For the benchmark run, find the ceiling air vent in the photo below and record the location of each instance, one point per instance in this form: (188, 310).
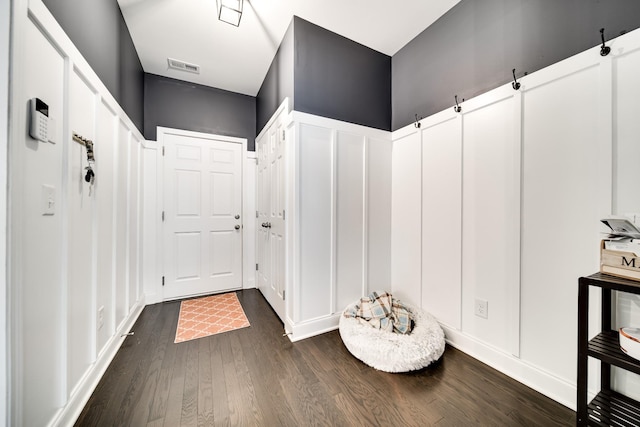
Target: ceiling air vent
(183, 66)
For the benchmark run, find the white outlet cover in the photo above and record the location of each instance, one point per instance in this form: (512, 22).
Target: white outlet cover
(481, 308)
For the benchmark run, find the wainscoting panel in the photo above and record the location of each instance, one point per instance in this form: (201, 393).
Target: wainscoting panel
(351, 220)
(559, 204)
(442, 217)
(626, 154)
(80, 205)
(334, 210)
(541, 165)
(105, 191)
(70, 268)
(491, 218)
(406, 207)
(316, 221)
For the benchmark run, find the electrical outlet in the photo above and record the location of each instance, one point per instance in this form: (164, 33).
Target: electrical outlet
(100, 317)
(482, 308)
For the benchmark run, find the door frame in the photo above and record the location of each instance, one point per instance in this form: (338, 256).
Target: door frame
(246, 188)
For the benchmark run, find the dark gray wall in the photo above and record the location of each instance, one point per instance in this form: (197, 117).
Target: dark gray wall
(182, 105)
(338, 78)
(278, 83)
(98, 30)
(474, 47)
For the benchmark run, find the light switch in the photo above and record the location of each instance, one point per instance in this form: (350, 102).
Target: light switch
(48, 200)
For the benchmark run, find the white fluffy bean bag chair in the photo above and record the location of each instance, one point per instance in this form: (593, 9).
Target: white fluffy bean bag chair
(393, 352)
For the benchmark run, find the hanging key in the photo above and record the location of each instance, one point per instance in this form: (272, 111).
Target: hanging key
(90, 175)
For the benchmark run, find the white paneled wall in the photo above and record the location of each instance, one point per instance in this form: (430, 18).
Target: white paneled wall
(378, 235)
(104, 215)
(75, 273)
(316, 213)
(351, 221)
(512, 190)
(37, 272)
(626, 176)
(441, 217)
(80, 242)
(5, 14)
(560, 198)
(406, 207)
(338, 218)
(491, 217)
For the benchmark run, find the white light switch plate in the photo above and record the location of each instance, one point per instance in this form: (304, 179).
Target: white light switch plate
(48, 200)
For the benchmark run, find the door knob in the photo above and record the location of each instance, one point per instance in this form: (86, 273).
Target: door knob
(237, 227)
(237, 216)
(268, 225)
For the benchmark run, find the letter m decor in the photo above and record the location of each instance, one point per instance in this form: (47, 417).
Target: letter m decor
(631, 263)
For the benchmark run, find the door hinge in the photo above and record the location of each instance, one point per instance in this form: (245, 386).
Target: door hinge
(283, 135)
(162, 280)
(284, 215)
(256, 267)
(162, 216)
(283, 297)
(257, 214)
(163, 150)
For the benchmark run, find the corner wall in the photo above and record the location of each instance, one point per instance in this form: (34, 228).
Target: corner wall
(100, 33)
(340, 79)
(327, 75)
(278, 83)
(502, 202)
(188, 106)
(74, 252)
(474, 47)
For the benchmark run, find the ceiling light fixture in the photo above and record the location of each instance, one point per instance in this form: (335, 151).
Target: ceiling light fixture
(230, 11)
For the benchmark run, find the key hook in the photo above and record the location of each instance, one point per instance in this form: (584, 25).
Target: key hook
(604, 50)
(457, 108)
(417, 124)
(515, 85)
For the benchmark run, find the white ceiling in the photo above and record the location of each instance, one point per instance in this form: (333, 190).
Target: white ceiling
(237, 58)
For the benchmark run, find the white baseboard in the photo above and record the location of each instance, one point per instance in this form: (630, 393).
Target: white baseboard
(310, 328)
(68, 415)
(543, 382)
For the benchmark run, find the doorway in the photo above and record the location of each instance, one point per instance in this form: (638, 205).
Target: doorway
(202, 213)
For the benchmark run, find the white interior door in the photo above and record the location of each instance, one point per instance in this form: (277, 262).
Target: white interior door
(270, 244)
(202, 214)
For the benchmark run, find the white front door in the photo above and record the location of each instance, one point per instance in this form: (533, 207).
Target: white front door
(202, 214)
(270, 227)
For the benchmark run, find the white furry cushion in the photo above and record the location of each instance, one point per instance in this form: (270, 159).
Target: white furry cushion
(393, 352)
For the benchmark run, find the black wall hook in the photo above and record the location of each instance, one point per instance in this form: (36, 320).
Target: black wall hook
(457, 108)
(515, 85)
(417, 124)
(604, 50)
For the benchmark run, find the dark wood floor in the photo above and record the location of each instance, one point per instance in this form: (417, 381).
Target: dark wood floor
(256, 377)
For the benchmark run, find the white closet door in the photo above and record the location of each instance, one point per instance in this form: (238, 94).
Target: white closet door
(270, 221)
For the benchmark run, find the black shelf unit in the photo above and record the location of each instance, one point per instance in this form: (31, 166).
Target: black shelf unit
(608, 407)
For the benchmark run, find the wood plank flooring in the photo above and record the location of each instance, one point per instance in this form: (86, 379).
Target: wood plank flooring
(256, 377)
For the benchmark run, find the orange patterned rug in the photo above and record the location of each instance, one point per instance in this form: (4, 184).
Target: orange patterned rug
(210, 315)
